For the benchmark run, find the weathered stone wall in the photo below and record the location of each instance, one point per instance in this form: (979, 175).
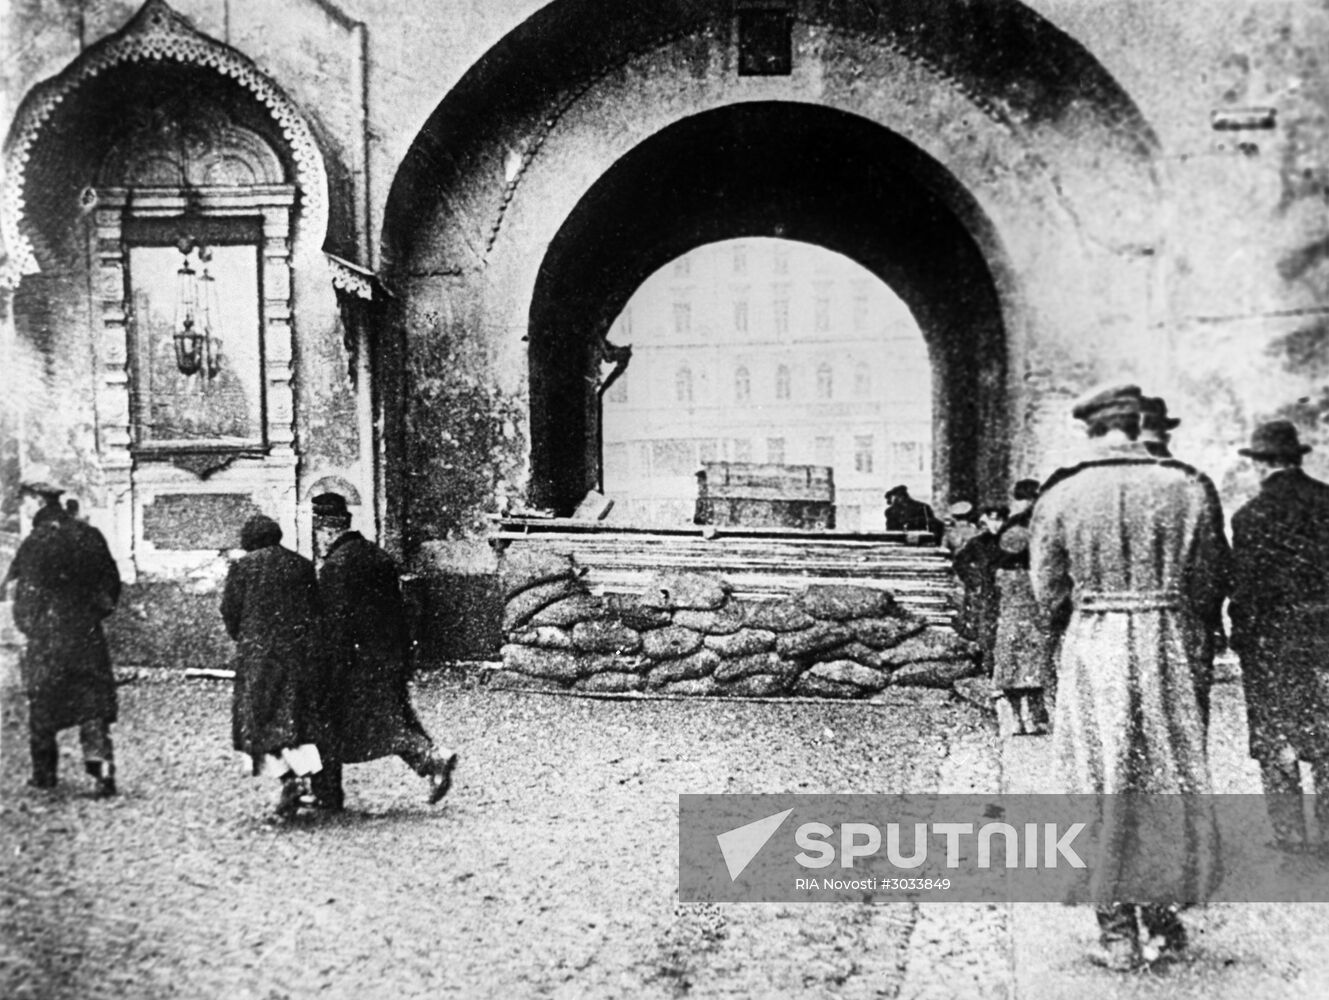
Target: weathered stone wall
(1195, 262)
(688, 634)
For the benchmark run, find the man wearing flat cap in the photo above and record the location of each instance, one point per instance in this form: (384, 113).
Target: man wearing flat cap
(1156, 426)
(368, 704)
(904, 513)
(1280, 627)
(66, 584)
(1128, 560)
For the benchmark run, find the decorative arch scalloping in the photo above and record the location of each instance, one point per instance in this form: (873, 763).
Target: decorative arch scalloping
(157, 33)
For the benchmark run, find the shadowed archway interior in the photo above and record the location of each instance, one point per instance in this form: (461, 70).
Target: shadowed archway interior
(786, 170)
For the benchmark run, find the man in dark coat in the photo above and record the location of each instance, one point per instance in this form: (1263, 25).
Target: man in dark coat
(270, 607)
(1128, 557)
(904, 513)
(1280, 627)
(368, 706)
(67, 583)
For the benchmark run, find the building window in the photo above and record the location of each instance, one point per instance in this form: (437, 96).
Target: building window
(863, 453)
(741, 316)
(683, 266)
(682, 319)
(742, 385)
(683, 385)
(781, 260)
(740, 259)
(822, 313)
(782, 382)
(825, 386)
(823, 451)
(860, 311)
(741, 450)
(775, 451)
(625, 324)
(780, 308)
(907, 457)
(862, 379)
(708, 450)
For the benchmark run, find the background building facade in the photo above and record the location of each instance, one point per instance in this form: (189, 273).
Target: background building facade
(760, 350)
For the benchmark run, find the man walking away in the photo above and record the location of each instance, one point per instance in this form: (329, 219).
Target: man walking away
(270, 607)
(1129, 551)
(368, 707)
(67, 583)
(1280, 627)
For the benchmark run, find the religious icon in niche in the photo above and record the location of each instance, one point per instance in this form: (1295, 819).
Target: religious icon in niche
(198, 346)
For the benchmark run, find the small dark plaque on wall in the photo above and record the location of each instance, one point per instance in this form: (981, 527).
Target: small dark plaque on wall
(764, 44)
(190, 521)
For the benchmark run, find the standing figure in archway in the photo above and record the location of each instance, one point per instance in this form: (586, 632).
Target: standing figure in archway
(1134, 549)
(367, 705)
(1021, 656)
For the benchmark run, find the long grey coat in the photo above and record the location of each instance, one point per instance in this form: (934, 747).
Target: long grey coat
(1280, 614)
(1134, 549)
(67, 583)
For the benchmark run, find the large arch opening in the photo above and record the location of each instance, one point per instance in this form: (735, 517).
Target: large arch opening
(785, 170)
(768, 353)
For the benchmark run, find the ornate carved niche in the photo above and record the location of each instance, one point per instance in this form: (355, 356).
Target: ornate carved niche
(186, 186)
(185, 141)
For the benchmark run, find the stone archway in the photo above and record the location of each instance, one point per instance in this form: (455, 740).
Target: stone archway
(788, 170)
(596, 141)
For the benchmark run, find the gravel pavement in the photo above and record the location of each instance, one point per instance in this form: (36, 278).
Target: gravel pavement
(550, 871)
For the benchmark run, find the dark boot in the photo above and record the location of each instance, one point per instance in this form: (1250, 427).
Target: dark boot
(326, 788)
(1119, 938)
(1167, 934)
(439, 772)
(45, 761)
(104, 772)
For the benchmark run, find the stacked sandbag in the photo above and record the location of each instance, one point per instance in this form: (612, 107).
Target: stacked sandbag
(687, 634)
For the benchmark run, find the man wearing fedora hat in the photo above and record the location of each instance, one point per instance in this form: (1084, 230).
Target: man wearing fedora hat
(1128, 562)
(1280, 627)
(1156, 426)
(66, 584)
(368, 705)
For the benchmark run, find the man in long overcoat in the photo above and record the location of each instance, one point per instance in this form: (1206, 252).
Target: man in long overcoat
(368, 706)
(66, 584)
(1129, 550)
(270, 607)
(904, 513)
(1280, 627)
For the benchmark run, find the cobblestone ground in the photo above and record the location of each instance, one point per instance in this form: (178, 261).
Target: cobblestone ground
(551, 870)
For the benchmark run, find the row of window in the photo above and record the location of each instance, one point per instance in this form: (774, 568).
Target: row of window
(823, 387)
(683, 456)
(821, 316)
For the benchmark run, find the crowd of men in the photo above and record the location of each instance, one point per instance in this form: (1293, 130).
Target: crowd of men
(1106, 582)
(322, 660)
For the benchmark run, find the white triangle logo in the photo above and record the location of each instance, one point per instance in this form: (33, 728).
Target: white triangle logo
(741, 844)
